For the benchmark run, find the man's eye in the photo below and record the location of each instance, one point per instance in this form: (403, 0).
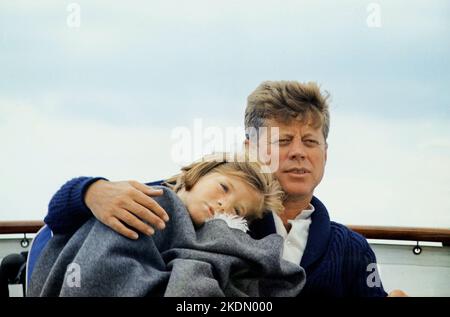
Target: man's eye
(282, 141)
(224, 187)
(311, 142)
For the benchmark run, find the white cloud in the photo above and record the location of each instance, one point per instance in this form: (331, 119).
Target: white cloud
(40, 153)
(388, 173)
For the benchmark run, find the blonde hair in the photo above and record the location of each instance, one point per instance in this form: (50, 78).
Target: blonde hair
(238, 166)
(285, 101)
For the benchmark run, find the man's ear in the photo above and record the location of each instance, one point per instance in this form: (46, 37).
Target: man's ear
(246, 145)
(326, 152)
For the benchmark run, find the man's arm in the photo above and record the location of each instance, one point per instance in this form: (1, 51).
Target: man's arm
(116, 204)
(363, 271)
(363, 274)
(67, 210)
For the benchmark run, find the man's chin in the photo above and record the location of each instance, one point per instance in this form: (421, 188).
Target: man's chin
(297, 193)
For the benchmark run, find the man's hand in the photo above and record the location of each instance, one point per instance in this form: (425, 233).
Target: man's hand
(129, 202)
(397, 293)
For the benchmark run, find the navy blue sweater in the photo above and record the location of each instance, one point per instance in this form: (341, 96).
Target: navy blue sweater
(337, 260)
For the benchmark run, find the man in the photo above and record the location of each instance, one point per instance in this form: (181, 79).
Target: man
(337, 261)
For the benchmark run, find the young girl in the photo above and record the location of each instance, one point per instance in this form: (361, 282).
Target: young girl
(195, 255)
(223, 184)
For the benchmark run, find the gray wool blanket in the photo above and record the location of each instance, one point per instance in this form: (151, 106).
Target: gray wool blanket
(213, 260)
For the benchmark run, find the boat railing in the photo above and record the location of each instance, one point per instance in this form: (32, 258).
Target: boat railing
(369, 232)
(23, 226)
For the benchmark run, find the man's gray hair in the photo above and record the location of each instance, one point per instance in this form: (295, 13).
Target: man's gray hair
(285, 101)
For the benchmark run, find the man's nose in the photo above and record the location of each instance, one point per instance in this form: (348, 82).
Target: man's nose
(297, 150)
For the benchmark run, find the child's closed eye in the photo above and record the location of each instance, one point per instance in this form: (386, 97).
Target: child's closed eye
(224, 187)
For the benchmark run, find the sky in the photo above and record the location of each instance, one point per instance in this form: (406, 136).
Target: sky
(104, 96)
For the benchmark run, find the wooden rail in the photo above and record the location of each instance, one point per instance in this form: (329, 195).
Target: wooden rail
(404, 233)
(370, 232)
(30, 226)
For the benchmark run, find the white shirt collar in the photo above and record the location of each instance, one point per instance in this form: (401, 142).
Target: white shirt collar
(306, 213)
(279, 226)
(295, 241)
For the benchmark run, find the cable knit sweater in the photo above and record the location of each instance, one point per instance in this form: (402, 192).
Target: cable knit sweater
(338, 262)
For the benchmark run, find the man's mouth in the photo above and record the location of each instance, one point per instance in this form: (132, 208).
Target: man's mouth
(297, 170)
